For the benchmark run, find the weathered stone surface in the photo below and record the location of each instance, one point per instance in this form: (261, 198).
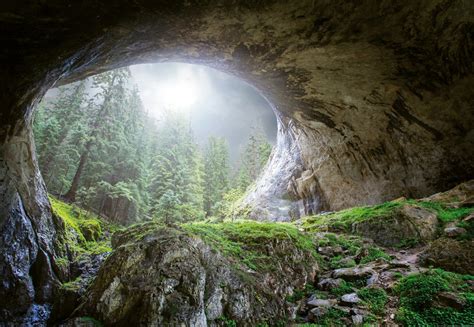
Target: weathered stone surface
(459, 196)
(164, 276)
(450, 254)
(454, 231)
(352, 274)
(328, 284)
(407, 223)
(350, 299)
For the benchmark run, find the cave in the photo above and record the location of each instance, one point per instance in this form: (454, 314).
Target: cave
(374, 100)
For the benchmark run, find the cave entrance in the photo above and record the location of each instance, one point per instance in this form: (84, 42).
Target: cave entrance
(170, 141)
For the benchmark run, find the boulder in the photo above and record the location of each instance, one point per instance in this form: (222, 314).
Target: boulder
(328, 284)
(159, 275)
(351, 274)
(408, 223)
(460, 196)
(449, 299)
(350, 299)
(454, 231)
(450, 254)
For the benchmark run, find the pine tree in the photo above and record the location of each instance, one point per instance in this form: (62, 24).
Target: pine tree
(216, 173)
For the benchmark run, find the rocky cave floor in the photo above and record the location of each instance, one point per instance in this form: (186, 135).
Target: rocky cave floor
(404, 262)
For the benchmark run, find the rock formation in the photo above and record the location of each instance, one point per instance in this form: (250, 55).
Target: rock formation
(374, 98)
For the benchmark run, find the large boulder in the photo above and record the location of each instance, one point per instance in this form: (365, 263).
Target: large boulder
(460, 196)
(405, 225)
(166, 276)
(450, 254)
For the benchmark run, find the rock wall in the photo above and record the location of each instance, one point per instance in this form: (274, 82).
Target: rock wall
(375, 96)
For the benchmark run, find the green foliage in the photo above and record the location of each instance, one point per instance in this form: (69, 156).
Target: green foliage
(331, 318)
(375, 298)
(417, 293)
(247, 240)
(73, 285)
(79, 222)
(340, 262)
(344, 219)
(444, 213)
(374, 254)
(344, 288)
(300, 294)
(227, 322)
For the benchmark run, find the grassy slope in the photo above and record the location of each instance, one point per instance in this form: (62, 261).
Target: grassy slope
(344, 219)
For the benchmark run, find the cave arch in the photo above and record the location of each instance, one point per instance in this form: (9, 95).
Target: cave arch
(375, 98)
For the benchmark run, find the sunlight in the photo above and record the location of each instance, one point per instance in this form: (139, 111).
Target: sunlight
(180, 95)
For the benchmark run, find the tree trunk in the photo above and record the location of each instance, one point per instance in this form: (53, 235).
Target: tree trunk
(71, 194)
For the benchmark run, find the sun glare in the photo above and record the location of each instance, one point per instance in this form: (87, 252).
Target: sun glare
(180, 95)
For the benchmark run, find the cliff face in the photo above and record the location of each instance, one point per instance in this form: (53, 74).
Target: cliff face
(375, 97)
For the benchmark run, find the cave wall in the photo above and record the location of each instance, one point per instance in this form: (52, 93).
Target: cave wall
(374, 98)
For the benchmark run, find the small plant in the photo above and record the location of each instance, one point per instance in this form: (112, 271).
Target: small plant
(417, 293)
(375, 298)
(374, 254)
(344, 288)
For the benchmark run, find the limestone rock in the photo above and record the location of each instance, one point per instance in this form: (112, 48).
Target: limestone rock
(454, 231)
(351, 274)
(160, 275)
(350, 299)
(319, 303)
(450, 254)
(408, 222)
(328, 284)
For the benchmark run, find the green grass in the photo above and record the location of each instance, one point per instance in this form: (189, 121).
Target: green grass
(247, 240)
(374, 254)
(444, 213)
(344, 288)
(343, 220)
(375, 298)
(417, 293)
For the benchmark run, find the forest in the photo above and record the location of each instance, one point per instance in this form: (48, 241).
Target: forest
(98, 147)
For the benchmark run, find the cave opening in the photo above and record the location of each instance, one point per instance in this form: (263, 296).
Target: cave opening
(373, 103)
(171, 141)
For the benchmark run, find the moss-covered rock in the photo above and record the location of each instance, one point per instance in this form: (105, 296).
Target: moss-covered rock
(450, 254)
(407, 223)
(201, 273)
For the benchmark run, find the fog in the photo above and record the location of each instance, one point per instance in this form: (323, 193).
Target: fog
(217, 104)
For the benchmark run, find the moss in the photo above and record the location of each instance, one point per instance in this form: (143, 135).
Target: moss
(343, 220)
(91, 321)
(62, 261)
(248, 240)
(374, 253)
(444, 213)
(417, 293)
(339, 262)
(375, 298)
(73, 285)
(84, 232)
(344, 288)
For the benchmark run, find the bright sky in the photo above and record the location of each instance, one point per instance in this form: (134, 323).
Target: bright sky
(217, 103)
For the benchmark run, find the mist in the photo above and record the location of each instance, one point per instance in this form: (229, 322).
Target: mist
(218, 104)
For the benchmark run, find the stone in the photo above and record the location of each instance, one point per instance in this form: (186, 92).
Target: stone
(169, 277)
(454, 231)
(328, 284)
(450, 254)
(357, 320)
(350, 299)
(330, 250)
(352, 274)
(316, 313)
(409, 222)
(448, 299)
(319, 303)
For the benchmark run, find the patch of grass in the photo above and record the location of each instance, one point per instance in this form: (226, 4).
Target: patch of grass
(444, 213)
(73, 285)
(344, 288)
(417, 293)
(340, 262)
(343, 220)
(332, 318)
(374, 254)
(375, 298)
(248, 241)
